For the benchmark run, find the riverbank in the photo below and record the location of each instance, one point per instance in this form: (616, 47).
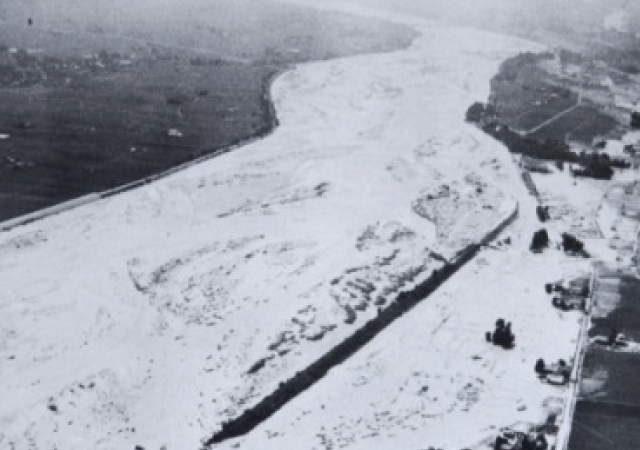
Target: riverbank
(236, 274)
(88, 104)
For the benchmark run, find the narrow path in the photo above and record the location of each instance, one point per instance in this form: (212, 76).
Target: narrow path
(557, 116)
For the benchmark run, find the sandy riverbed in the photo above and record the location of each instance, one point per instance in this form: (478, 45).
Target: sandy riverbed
(134, 320)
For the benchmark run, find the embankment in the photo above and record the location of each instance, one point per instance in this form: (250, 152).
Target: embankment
(263, 132)
(306, 378)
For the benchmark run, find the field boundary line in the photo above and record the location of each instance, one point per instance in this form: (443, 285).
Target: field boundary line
(556, 117)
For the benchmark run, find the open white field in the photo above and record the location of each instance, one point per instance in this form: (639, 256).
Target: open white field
(431, 380)
(135, 320)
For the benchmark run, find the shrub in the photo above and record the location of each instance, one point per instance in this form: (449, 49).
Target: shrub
(598, 169)
(571, 244)
(540, 241)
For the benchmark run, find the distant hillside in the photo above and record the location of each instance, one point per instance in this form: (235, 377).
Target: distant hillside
(553, 22)
(248, 29)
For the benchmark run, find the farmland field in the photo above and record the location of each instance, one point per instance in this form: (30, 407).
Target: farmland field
(626, 316)
(583, 124)
(594, 431)
(537, 95)
(608, 417)
(607, 411)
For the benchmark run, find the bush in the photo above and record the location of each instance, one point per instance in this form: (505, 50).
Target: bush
(598, 169)
(540, 241)
(571, 244)
(619, 163)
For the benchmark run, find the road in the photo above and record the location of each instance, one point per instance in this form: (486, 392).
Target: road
(557, 116)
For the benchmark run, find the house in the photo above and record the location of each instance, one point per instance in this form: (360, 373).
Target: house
(174, 132)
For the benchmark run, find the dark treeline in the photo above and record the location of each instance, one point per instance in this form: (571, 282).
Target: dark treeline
(594, 165)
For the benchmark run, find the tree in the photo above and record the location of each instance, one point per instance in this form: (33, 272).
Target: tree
(600, 170)
(476, 112)
(540, 241)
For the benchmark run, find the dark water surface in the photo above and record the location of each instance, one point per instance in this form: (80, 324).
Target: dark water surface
(89, 102)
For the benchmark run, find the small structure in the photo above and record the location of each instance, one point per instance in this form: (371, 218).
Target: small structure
(509, 439)
(569, 296)
(535, 165)
(569, 303)
(556, 373)
(615, 339)
(174, 133)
